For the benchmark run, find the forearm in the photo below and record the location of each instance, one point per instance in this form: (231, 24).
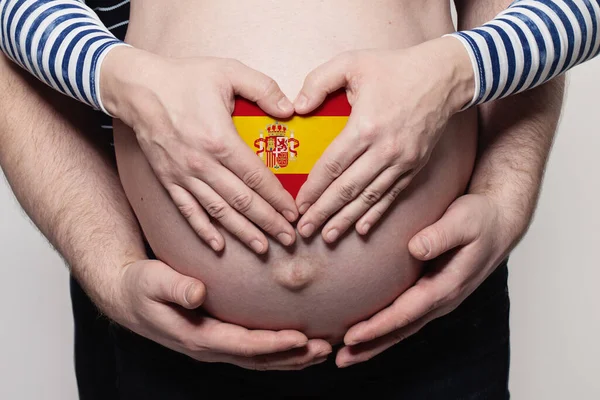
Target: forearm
(526, 44)
(61, 42)
(516, 135)
(67, 186)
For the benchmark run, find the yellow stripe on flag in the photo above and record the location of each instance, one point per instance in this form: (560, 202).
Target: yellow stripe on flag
(290, 147)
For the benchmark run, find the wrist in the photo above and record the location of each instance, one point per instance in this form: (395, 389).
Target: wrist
(454, 56)
(124, 71)
(101, 278)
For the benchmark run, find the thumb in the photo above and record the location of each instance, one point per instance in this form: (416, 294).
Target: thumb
(457, 227)
(167, 285)
(260, 89)
(321, 82)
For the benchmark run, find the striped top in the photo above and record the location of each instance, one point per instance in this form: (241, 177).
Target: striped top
(529, 43)
(61, 42)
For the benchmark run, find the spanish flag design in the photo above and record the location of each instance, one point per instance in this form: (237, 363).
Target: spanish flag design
(290, 148)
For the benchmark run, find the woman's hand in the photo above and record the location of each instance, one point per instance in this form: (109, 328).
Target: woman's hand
(180, 110)
(158, 303)
(482, 231)
(401, 101)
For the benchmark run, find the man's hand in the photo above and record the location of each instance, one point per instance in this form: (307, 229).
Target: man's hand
(482, 233)
(181, 112)
(160, 304)
(401, 101)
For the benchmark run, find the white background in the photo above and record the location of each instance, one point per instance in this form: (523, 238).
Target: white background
(554, 278)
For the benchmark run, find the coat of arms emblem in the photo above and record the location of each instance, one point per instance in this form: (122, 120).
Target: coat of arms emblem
(278, 146)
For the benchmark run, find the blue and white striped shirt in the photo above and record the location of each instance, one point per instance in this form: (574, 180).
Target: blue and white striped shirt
(529, 43)
(63, 43)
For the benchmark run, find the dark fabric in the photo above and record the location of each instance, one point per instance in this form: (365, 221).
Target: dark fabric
(464, 355)
(95, 367)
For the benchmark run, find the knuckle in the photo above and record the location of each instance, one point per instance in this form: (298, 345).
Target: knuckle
(217, 210)
(333, 169)
(247, 351)
(187, 210)
(370, 196)
(368, 129)
(242, 202)
(399, 336)
(347, 191)
(215, 145)
(254, 179)
(403, 320)
(192, 344)
(412, 157)
(196, 163)
(269, 88)
(394, 192)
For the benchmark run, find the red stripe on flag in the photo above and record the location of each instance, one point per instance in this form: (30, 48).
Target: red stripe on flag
(336, 105)
(292, 182)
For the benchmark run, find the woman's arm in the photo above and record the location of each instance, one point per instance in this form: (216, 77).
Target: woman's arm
(62, 42)
(167, 103)
(529, 43)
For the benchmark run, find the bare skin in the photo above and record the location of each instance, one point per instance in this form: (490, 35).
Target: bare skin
(317, 288)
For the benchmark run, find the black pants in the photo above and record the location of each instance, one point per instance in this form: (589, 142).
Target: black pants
(464, 355)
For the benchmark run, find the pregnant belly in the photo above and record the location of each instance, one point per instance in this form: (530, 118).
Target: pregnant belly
(313, 287)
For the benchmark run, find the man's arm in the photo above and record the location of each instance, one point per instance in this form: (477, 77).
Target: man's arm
(72, 192)
(66, 185)
(527, 44)
(516, 134)
(483, 226)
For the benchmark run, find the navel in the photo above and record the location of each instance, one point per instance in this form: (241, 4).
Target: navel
(297, 273)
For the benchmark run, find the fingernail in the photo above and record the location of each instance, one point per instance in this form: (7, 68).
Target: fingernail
(285, 105)
(366, 228)
(298, 345)
(189, 294)
(302, 209)
(301, 101)
(214, 244)
(257, 246)
(324, 353)
(424, 245)
(307, 230)
(332, 235)
(346, 364)
(320, 360)
(289, 215)
(285, 238)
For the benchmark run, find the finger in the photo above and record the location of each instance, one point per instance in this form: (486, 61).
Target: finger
(248, 203)
(374, 214)
(342, 191)
(367, 198)
(315, 352)
(334, 161)
(363, 352)
(164, 284)
(259, 88)
(456, 227)
(427, 295)
(244, 163)
(188, 207)
(235, 340)
(230, 219)
(322, 81)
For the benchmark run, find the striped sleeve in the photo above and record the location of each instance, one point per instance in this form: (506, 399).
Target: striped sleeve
(529, 43)
(61, 42)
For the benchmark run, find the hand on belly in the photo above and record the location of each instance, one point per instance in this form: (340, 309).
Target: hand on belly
(318, 288)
